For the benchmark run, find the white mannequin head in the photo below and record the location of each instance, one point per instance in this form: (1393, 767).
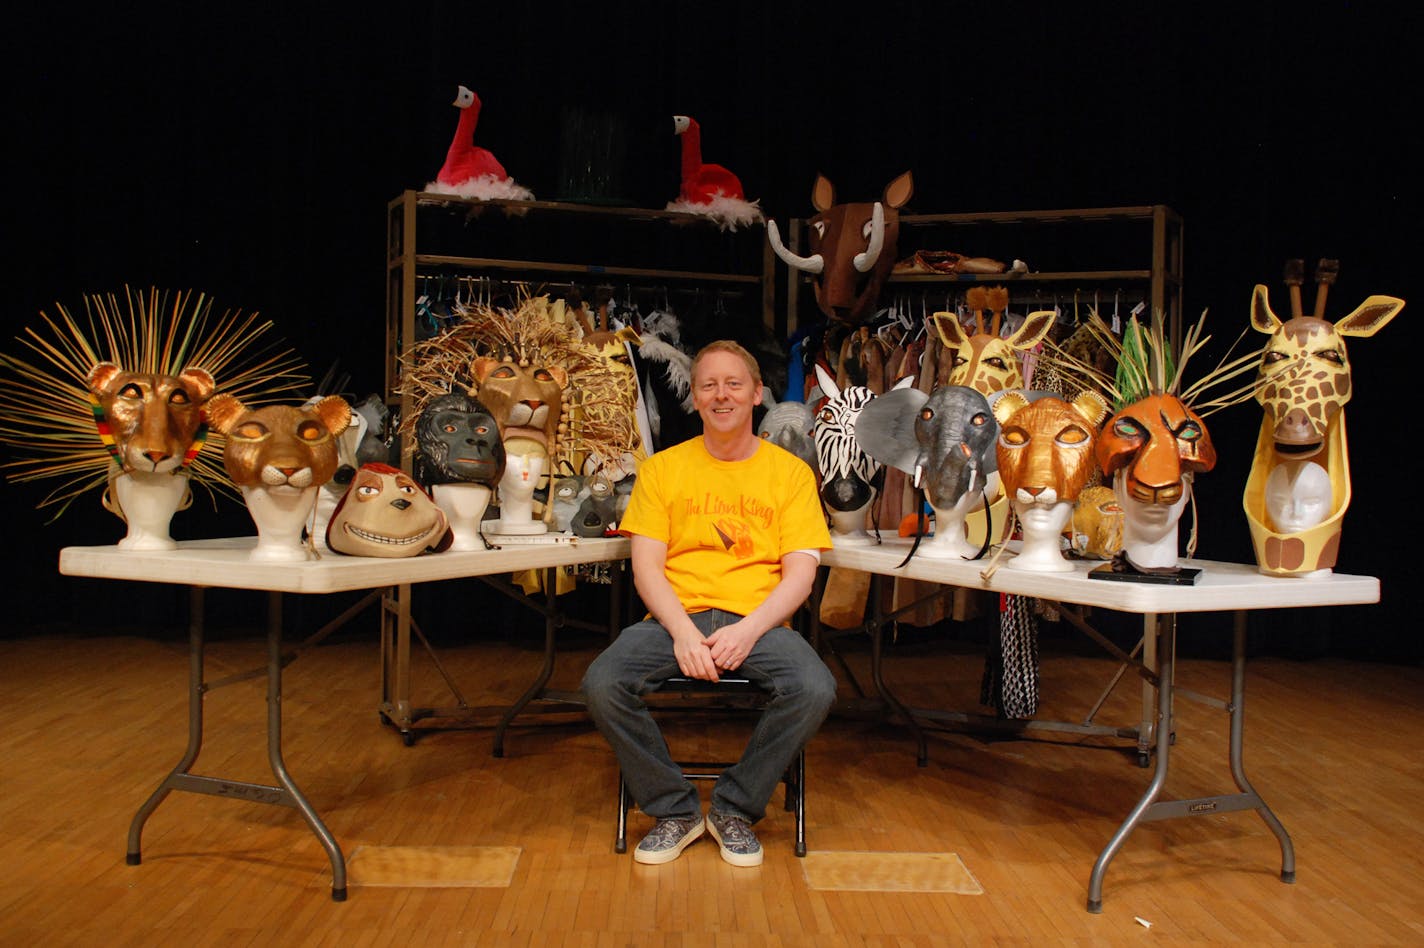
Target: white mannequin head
(525, 460)
(1298, 496)
(147, 502)
(1042, 524)
(464, 505)
(1149, 531)
(949, 540)
(848, 526)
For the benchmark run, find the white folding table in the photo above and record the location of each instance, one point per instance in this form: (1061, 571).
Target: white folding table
(227, 563)
(1221, 587)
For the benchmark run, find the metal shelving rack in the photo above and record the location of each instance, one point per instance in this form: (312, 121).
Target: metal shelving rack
(1057, 239)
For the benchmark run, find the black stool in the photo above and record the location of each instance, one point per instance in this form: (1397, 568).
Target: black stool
(731, 693)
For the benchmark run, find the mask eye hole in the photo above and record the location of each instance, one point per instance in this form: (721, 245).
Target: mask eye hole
(1128, 428)
(926, 414)
(131, 390)
(1014, 437)
(251, 431)
(179, 397)
(310, 431)
(1073, 435)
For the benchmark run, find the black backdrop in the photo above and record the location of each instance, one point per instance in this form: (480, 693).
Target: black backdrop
(249, 153)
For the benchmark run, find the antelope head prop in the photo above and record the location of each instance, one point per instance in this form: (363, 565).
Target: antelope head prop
(1303, 384)
(852, 248)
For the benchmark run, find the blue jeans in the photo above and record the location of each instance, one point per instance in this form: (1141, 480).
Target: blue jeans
(781, 662)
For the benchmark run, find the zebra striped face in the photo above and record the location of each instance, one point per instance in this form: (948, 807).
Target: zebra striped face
(846, 470)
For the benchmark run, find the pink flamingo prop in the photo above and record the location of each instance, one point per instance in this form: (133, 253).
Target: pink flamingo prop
(469, 170)
(708, 189)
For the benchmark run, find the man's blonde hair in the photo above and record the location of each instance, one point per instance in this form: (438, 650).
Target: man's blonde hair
(736, 349)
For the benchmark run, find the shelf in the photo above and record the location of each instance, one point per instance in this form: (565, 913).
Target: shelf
(545, 266)
(1138, 244)
(1067, 276)
(1061, 216)
(475, 206)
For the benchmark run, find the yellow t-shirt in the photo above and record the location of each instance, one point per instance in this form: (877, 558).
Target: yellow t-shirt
(726, 523)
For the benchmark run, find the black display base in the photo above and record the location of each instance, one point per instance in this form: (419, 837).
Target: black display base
(1186, 576)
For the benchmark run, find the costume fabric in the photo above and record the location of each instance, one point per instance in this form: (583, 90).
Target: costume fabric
(727, 525)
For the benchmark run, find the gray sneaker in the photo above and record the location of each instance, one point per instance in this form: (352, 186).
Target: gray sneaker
(666, 841)
(740, 847)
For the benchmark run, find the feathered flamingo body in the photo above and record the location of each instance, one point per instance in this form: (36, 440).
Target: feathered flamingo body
(702, 182)
(709, 189)
(469, 170)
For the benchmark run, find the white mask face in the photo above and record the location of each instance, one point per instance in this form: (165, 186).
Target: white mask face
(1298, 496)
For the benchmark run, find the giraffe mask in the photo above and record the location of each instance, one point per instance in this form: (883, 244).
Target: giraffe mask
(1303, 384)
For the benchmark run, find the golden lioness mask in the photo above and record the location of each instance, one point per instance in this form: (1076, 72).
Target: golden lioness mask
(153, 421)
(279, 445)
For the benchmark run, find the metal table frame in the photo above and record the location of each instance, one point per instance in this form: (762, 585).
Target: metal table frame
(1223, 587)
(398, 626)
(227, 563)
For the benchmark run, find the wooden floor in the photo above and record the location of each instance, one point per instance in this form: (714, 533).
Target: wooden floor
(95, 724)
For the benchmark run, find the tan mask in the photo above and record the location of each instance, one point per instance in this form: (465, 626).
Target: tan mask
(1045, 449)
(385, 513)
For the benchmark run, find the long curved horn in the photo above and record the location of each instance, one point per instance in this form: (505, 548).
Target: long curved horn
(812, 264)
(864, 261)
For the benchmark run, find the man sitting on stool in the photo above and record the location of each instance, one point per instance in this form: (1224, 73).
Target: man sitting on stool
(727, 532)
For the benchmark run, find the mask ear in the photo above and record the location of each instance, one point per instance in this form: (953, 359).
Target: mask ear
(101, 375)
(1262, 319)
(334, 413)
(1035, 327)
(1092, 406)
(951, 333)
(199, 380)
(1370, 316)
(899, 191)
(223, 410)
(1007, 405)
